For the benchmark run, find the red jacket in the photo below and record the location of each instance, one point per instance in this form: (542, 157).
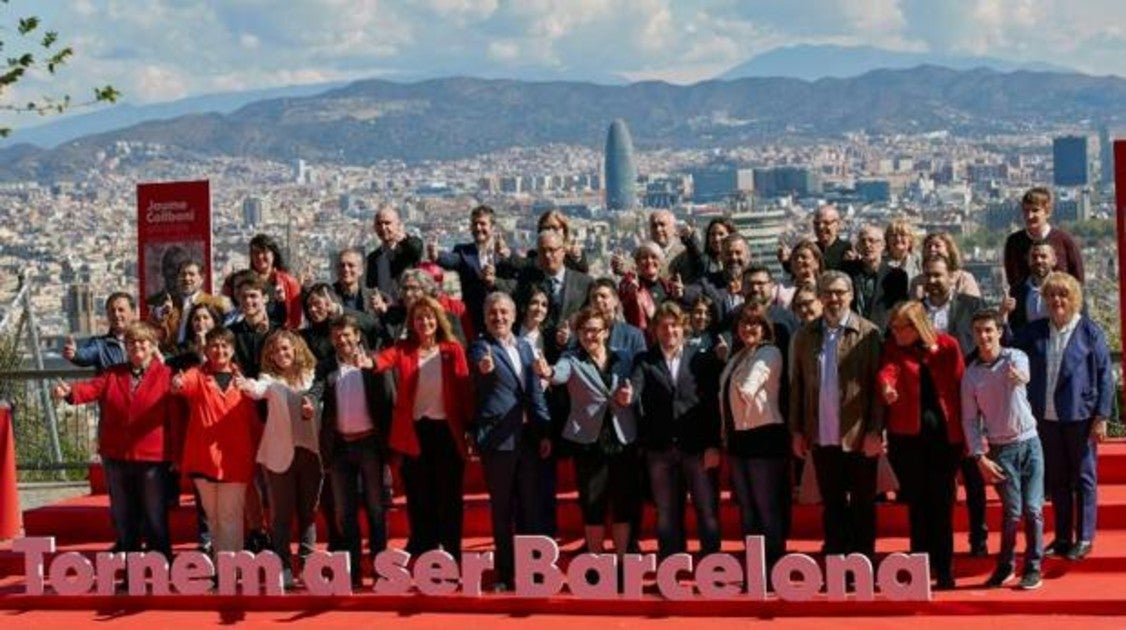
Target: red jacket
(899, 368)
(223, 429)
(137, 426)
(638, 304)
(457, 392)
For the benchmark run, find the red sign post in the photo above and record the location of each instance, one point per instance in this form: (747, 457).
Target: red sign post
(1120, 205)
(173, 227)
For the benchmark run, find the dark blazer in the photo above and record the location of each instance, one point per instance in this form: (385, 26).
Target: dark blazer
(960, 320)
(361, 301)
(573, 297)
(891, 289)
(505, 400)
(384, 266)
(379, 389)
(1085, 385)
(679, 409)
(466, 261)
(1019, 317)
(625, 337)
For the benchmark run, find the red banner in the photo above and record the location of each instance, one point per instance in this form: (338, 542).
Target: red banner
(173, 227)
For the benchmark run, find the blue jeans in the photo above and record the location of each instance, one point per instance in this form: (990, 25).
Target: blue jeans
(1022, 492)
(351, 461)
(762, 490)
(138, 502)
(671, 473)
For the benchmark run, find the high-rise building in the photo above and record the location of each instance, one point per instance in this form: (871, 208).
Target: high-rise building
(1106, 156)
(1071, 163)
(762, 227)
(252, 211)
(621, 170)
(711, 185)
(781, 181)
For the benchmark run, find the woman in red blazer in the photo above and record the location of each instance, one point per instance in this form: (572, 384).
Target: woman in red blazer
(920, 379)
(432, 409)
(138, 438)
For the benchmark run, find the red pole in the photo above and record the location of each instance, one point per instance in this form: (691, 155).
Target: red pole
(1120, 205)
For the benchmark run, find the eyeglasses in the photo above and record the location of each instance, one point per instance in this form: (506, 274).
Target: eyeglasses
(592, 330)
(836, 292)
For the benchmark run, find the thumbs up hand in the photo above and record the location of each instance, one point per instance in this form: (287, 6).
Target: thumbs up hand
(624, 395)
(486, 364)
(676, 287)
(722, 349)
(60, 391)
(540, 366)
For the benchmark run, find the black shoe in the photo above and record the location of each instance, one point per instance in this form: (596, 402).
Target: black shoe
(258, 541)
(1057, 548)
(1001, 575)
(979, 550)
(944, 583)
(1081, 550)
(1030, 581)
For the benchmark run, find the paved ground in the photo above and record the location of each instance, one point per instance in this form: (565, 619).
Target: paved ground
(33, 495)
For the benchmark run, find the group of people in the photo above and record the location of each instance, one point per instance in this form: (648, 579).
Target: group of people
(277, 398)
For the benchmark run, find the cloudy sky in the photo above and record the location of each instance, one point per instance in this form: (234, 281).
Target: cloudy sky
(161, 50)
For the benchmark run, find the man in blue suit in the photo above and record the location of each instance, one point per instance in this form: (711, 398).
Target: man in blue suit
(475, 264)
(1071, 389)
(510, 426)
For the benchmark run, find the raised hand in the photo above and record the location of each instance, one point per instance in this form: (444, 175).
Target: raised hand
(540, 366)
(486, 365)
(685, 231)
(618, 263)
(378, 303)
(362, 359)
(575, 251)
(307, 409)
(432, 249)
(783, 251)
(60, 391)
(722, 349)
(1015, 375)
(563, 334)
(70, 348)
(890, 394)
(500, 248)
(177, 382)
(676, 287)
(279, 293)
(489, 275)
(624, 395)
(241, 383)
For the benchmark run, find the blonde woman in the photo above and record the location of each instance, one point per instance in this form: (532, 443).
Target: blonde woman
(900, 239)
(942, 244)
(289, 450)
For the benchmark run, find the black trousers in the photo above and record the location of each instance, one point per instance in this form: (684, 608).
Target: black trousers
(513, 481)
(926, 466)
(433, 484)
(848, 496)
(974, 484)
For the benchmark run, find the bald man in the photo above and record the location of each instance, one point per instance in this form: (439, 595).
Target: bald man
(826, 231)
(396, 253)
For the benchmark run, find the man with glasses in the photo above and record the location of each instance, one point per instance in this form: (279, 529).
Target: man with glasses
(826, 229)
(835, 414)
(879, 286)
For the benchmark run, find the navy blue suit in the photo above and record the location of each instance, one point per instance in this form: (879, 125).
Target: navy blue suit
(465, 259)
(1083, 392)
(509, 421)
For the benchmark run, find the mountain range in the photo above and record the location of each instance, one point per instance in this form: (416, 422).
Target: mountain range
(457, 117)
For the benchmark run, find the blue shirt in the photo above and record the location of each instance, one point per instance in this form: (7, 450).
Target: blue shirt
(993, 405)
(829, 396)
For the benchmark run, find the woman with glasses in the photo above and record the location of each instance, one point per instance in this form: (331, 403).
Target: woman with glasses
(600, 430)
(919, 380)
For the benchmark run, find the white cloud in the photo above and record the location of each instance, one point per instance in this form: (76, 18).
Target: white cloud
(161, 49)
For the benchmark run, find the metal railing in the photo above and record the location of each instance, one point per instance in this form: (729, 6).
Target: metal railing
(50, 435)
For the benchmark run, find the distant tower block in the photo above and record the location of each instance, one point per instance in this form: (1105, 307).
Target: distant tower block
(621, 170)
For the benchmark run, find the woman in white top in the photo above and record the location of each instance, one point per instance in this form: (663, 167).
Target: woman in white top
(289, 449)
(754, 433)
(535, 312)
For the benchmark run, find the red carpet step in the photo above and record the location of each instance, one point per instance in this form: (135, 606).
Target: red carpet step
(86, 518)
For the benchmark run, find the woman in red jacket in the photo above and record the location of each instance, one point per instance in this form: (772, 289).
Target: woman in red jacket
(432, 409)
(135, 438)
(920, 379)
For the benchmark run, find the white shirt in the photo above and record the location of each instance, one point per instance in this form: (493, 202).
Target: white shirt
(939, 315)
(513, 353)
(428, 401)
(672, 361)
(533, 337)
(351, 402)
(1057, 345)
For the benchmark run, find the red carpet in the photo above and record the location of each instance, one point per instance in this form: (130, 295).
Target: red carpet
(1085, 594)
